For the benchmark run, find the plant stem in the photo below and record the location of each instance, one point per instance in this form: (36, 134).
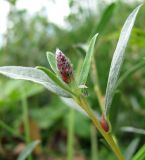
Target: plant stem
(87, 108)
(94, 145)
(26, 120)
(83, 103)
(70, 139)
(97, 84)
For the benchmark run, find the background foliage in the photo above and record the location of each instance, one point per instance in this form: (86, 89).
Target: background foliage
(26, 41)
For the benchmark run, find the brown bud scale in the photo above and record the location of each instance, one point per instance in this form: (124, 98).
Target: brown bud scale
(104, 124)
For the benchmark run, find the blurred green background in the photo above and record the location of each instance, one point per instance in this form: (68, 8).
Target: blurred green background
(25, 42)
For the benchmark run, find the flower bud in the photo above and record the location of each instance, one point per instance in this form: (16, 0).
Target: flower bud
(104, 124)
(64, 67)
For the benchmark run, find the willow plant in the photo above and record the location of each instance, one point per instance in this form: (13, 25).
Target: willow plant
(61, 80)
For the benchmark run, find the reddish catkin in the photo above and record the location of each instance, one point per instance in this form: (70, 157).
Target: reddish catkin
(64, 67)
(104, 124)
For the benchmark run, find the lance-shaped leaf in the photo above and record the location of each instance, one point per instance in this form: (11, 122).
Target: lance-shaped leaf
(52, 61)
(34, 75)
(52, 76)
(118, 58)
(28, 150)
(87, 62)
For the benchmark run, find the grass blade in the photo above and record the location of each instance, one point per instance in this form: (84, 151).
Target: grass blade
(133, 130)
(118, 58)
(28, 150)
(105, 18)
(87, 62)
(131, 149)
(140, 155)
(131, 71)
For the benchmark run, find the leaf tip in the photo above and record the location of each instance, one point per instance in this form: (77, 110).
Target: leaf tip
(48, 53)
(96, 35)
(37, 67)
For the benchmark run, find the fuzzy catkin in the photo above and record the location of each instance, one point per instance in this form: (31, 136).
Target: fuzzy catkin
(64, 67)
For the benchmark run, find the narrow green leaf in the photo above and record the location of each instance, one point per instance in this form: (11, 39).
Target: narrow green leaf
(28, 150)
(140, 155)
(52, 61)
(87, 62)
(131, 149)
(52, 76)
(105, 18)
(118, 58)
(34, 75)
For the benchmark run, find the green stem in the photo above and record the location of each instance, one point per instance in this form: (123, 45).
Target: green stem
(97, 84)
(94, 145)
(70, 139)
(26, 120)
(83, 103)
